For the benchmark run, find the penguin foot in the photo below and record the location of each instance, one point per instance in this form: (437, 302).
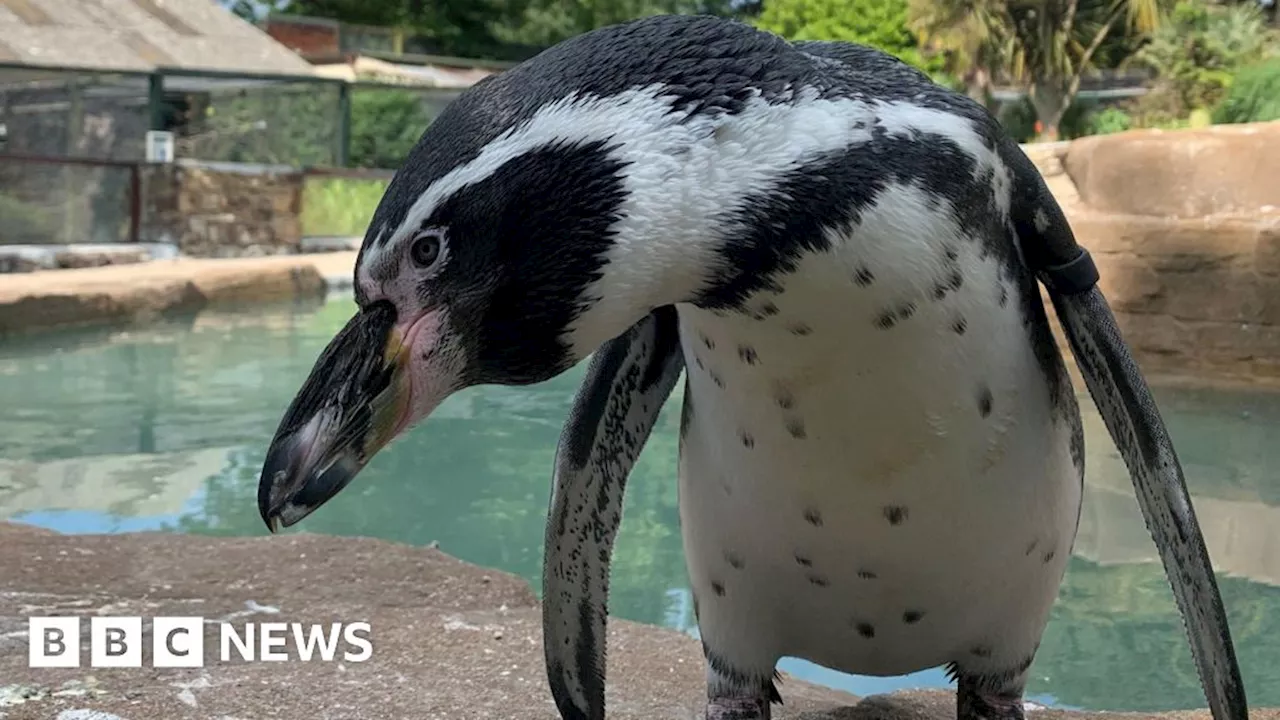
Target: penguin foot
(738, 708)
(977, 700)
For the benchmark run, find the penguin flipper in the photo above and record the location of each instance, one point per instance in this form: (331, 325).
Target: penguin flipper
(1133, 420)
(627, 381)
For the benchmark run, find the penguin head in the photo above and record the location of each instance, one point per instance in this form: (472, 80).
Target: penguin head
(544, 212)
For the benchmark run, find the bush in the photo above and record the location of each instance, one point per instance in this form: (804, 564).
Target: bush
(385, 125)
(1254, 95)
(881, 24)
(1019, 119)
(1196, 54)
(1108, 120)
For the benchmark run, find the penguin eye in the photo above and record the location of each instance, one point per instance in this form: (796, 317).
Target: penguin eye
(425, 250)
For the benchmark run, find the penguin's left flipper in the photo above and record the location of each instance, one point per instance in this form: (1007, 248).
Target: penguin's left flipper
(1129, 411)
(627, 382)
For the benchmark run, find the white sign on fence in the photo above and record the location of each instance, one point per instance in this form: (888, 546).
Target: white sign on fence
(159, 146)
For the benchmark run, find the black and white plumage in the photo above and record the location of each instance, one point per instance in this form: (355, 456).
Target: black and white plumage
(881, 453)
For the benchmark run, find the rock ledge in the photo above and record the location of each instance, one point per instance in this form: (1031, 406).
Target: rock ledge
(450, 640)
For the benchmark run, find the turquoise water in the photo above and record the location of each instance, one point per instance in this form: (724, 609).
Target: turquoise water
(164, 428)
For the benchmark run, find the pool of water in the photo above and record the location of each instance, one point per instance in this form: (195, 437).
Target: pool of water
(164, 428)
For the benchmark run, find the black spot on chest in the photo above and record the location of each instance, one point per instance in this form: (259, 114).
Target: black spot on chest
(985, 401)
(813, 517)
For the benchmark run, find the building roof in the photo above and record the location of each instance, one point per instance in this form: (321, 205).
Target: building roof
(443, 77)
(140, 36)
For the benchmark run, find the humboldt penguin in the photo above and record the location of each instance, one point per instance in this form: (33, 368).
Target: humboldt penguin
(881, 455)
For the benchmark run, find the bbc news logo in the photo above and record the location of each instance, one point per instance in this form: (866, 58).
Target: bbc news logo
(179, 642)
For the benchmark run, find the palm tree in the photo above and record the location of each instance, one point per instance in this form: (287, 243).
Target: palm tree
(1045, 46)
(966, 36)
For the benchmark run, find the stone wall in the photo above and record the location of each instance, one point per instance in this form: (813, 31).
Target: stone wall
(1185, 228)
(223, 209)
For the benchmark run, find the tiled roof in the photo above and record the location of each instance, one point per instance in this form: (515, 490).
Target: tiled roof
(139, 35)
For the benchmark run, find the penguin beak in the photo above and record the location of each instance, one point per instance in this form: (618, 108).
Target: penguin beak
(358, 398)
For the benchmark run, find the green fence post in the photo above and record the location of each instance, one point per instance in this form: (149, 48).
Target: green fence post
(344, 125)
(155, 101)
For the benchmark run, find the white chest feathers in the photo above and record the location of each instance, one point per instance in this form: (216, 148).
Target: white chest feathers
(873, 472)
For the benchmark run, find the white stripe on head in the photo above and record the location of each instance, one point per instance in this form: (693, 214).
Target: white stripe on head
(574, 119)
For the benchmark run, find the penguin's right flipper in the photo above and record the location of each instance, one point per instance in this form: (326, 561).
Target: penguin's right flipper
(1121, 394)
(627, 382)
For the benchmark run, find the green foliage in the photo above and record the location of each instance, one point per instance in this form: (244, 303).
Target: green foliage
(24, 223)
(1019, 120)
(287, 124)
(1254, 96)
(1043, 46)
(339, 206)
(1108, 120)
(879, 23)
(1196, 54)
(385, 125)
(546, 22)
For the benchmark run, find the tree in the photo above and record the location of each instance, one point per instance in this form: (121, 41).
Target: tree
(880, 24)
(1045, 46)
(968, 49)
(546, 22)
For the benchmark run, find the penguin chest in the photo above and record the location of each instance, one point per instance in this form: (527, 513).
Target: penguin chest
(876, 494)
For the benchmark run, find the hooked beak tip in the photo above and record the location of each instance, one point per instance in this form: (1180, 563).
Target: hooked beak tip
(292, 486)
(275, 477)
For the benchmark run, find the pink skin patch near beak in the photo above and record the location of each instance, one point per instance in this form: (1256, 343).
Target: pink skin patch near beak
(424, 360)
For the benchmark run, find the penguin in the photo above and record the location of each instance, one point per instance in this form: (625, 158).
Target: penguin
(881, 455)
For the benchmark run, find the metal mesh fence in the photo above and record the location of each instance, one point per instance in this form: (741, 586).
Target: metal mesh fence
(46, 201)
(73, 114)
(274, 122)
(388, 120)
(73, 142)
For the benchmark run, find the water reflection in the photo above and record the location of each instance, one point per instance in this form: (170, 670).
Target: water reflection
(165, 428)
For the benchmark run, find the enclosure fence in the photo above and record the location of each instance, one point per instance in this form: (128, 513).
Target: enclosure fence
(73, 152)
(60, 200)
(301, 121)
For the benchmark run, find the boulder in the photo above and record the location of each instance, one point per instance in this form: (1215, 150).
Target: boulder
(1224, 169)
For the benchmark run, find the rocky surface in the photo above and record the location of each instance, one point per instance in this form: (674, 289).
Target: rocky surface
(1226, 169)
(1185, 229)
(450, 640)
(136, 293)
(1197, 297)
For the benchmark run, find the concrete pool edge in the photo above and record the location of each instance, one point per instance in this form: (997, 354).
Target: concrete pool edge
(129, 294)
(450, 639)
